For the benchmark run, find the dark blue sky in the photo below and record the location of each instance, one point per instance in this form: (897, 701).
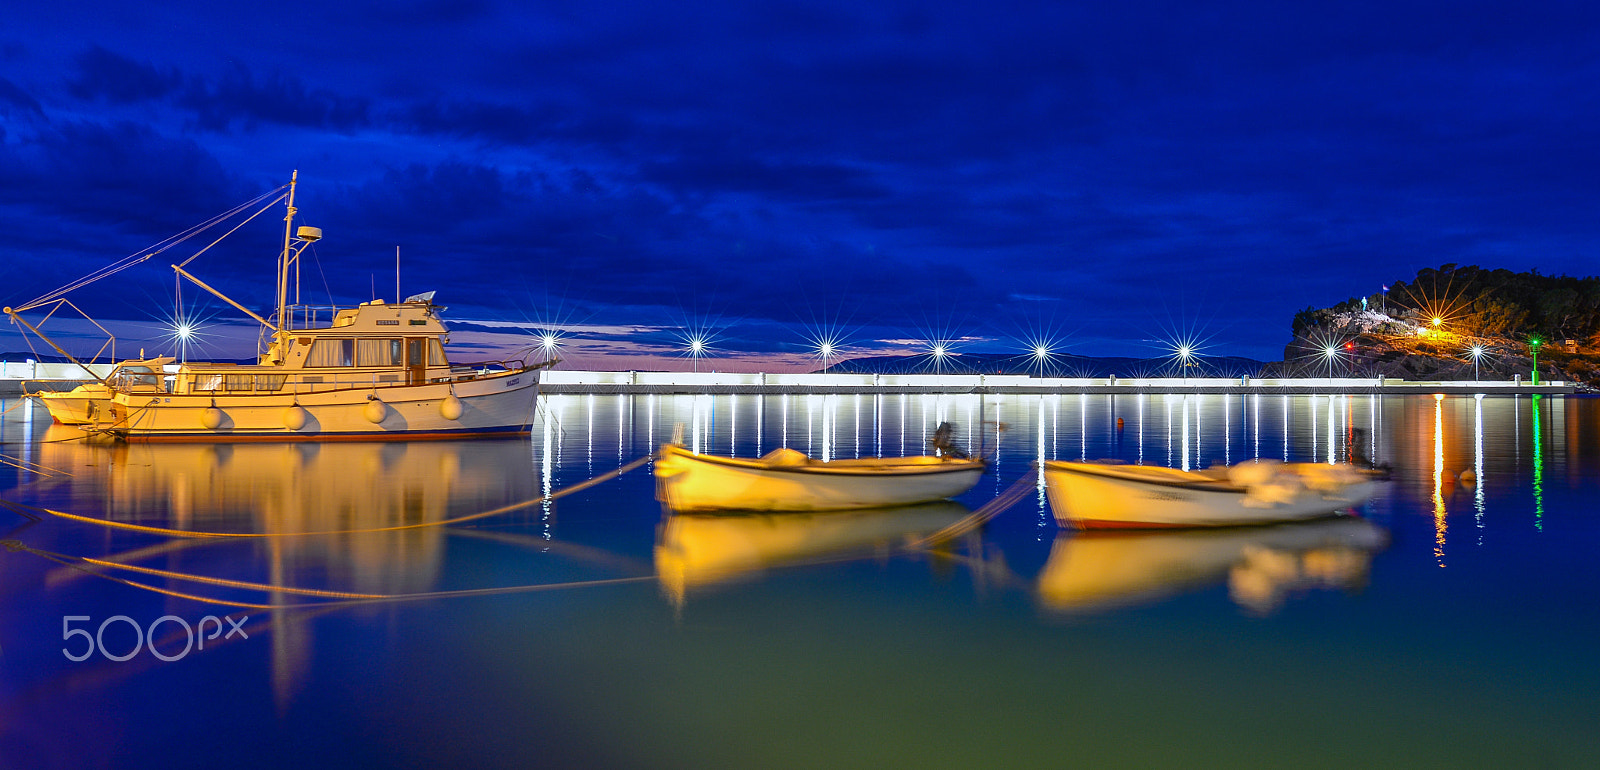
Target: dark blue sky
(1107, 173)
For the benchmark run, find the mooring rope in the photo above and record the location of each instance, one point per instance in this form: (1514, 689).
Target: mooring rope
(977, 518)
(575, 488)
(89, 566)
(31, 467)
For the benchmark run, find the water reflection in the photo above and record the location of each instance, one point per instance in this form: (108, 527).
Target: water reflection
(1262, 565)
(1538, 467)
(698, 550)
(1439, 515)
(297, 487)
(281, 488)
(1477, 463)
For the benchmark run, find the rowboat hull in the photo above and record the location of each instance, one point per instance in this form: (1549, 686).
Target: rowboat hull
(689, 482)
(1103, 496)
(501, 404)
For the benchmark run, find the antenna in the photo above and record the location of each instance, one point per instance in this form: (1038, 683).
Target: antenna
(396, 273)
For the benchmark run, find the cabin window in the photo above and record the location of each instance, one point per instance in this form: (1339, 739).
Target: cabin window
(208, 383)
(436, 354)
(138, 375)
(270, 381)
(237, 382)
(330, 352)
(378, 352)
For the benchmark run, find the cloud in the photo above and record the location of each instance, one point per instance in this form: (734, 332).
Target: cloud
(238, 100)
(11, 94)
(102, 74)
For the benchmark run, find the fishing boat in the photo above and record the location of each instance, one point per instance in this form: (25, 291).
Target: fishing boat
(91, 401)
(787, 480)
(1096, 495)
(377, 370)
(1090, 571)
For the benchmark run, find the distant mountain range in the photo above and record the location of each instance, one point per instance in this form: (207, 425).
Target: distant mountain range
(969, 363)
(1058, 366)
(15, 358)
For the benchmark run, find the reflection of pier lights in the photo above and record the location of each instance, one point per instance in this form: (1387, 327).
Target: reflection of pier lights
(1186, 398)
(1255, 420)
(1286, 429)
(1168, 399)
(1439, 526)
(1538, 466)
(1045, 519)
(1141, 427)
(1083, 427)
(1333, 429)
(1315, 442)
(1477, 463)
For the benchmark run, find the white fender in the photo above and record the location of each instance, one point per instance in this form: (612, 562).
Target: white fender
(450, 408)
(294, 417)
(375, 411)
(211, 418)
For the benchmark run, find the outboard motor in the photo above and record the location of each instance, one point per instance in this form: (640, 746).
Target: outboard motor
(943, 442)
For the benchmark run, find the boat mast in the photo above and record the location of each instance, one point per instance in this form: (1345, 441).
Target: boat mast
(283, 262)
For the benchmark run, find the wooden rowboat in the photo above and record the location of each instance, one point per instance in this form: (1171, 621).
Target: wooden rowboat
(1106, 495)
(787, 480)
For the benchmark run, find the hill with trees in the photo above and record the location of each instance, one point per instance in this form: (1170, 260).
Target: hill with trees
(1445, 320)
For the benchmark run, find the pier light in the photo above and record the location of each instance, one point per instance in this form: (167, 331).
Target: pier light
(1476, 351)
(1533, 347)
(1041, 351)
(1330, 352)
(1185, 353)
(1436, 321)
(825, 350)
(696, 345)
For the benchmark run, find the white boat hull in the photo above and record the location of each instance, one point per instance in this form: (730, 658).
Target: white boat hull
(502, 404)
(1097, 496)
(82, 405)
(689, 482)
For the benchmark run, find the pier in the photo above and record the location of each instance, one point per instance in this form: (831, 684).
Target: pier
(51, 376)
(583, 382)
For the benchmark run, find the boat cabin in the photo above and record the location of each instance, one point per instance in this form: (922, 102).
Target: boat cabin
(376, 344)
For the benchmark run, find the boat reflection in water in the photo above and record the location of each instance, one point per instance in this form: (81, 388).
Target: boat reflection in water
(700, 550)
(1262, 565)
(288, 488)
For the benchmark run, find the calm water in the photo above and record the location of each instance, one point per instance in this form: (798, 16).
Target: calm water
(1455, 624)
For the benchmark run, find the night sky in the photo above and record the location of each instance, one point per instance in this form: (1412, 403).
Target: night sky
(1107, 175)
